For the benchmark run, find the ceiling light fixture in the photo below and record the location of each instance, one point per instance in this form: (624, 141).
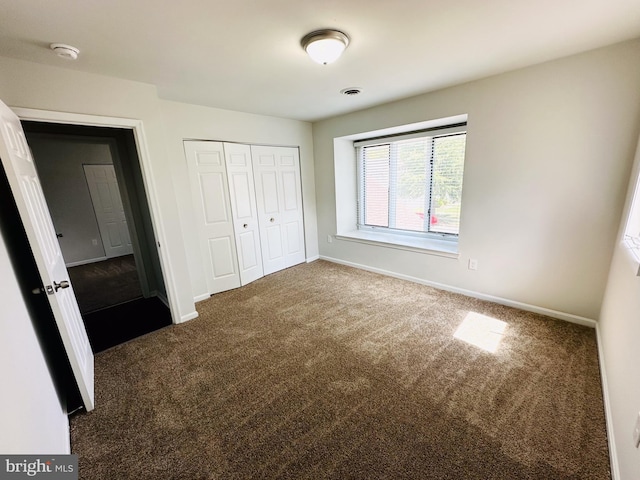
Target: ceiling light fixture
(65, 51)
(325, 46)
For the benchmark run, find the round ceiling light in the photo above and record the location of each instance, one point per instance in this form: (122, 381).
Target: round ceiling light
(325, 46)
(65, 51)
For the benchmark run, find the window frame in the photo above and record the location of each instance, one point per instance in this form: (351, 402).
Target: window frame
(449, 129)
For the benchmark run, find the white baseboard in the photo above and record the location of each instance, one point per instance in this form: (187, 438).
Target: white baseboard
(569, 317)
(67, 438)
(194, 314)
(613, 456)
(188, 316)
(313, 259)
(199, 298)
(85, 262)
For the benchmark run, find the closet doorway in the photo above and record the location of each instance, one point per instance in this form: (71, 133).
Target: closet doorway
(247, 201)
(93, 185)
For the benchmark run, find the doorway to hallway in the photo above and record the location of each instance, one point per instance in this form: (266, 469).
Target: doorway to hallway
(105, 235)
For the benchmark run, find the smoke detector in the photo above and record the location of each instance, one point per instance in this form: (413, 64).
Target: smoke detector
(350, 91)
(65, 51)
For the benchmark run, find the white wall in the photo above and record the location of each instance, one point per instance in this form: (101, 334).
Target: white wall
(184, 121)
(60, 168)
(619, 329)
(32, 419)
(549, 151)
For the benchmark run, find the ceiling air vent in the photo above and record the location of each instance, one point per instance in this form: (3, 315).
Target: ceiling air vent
(350, 91)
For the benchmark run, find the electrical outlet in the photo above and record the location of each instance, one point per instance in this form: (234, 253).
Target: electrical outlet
(95, 242)
(636, 432)
(329, 238)
(473, 264)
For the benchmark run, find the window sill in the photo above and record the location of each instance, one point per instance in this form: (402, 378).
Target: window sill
(442, 248)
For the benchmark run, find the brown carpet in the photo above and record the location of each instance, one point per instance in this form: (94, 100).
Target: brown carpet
(102, 284)
(327, 372)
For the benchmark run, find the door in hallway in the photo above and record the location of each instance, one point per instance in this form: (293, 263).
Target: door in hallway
(107, 205)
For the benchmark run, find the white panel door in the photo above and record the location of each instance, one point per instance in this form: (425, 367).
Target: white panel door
(210, 193)
(107, 204)
(27, 191)
(279, 202)
(243, 208)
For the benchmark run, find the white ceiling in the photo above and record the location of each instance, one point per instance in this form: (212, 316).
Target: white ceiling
(245, 55)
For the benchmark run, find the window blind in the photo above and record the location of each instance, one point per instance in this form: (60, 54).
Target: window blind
(412, 183)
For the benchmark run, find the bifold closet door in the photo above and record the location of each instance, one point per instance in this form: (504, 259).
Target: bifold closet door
(279, 203)
(243, 209)
(210, 193)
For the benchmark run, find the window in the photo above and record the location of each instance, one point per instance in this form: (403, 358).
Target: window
(411, 184)
(632, 228)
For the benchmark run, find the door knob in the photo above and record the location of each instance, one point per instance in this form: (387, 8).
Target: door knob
(245, 225)
(62, 284)
(271, 219)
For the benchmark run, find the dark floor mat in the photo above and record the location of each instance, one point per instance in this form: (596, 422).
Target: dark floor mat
(115, 325)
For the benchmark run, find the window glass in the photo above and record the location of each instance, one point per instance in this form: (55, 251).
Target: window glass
(412, 185)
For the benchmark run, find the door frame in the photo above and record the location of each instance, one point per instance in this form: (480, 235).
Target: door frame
(137, 128)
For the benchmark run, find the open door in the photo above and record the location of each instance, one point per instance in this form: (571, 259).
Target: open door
(21, 172)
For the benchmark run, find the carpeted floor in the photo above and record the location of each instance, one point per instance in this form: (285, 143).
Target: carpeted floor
(321, 371)
(102, 284)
